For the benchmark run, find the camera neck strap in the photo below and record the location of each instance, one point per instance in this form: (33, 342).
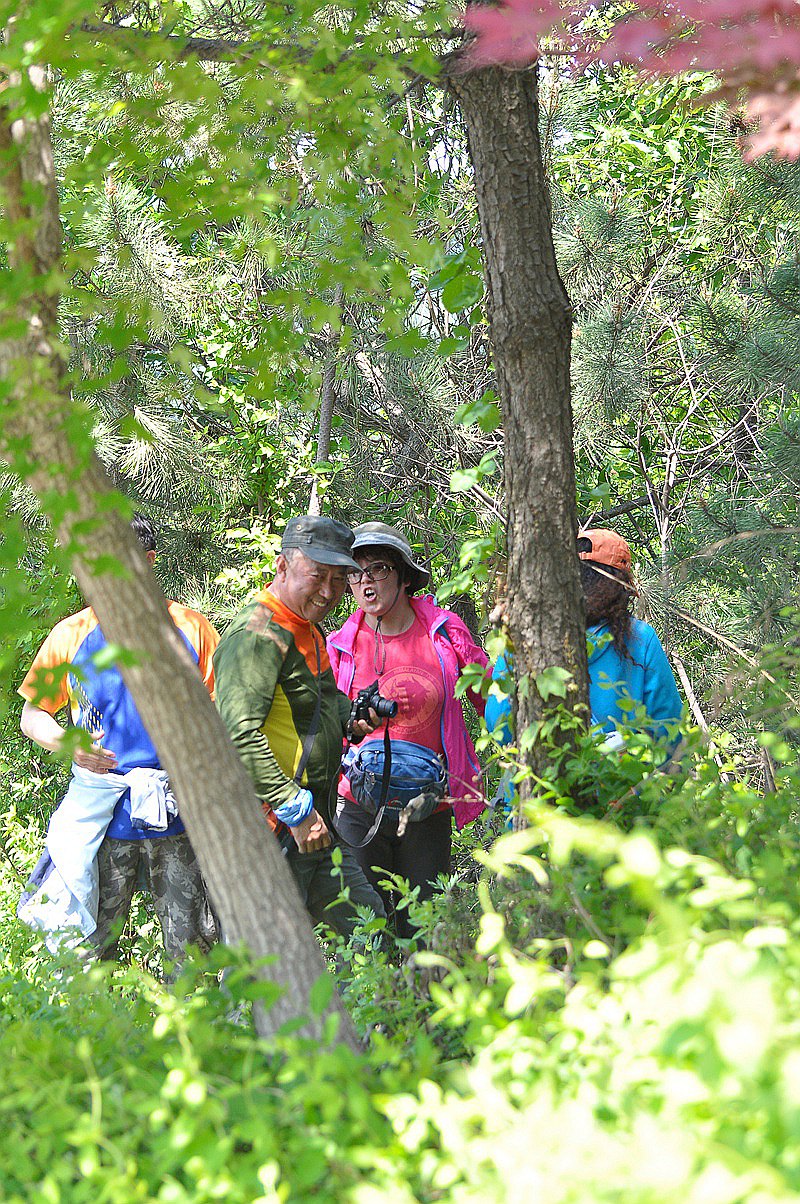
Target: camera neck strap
(387, 771)
(313, 727)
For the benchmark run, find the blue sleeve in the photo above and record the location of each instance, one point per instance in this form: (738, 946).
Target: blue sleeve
(498, 706)
(661, 698)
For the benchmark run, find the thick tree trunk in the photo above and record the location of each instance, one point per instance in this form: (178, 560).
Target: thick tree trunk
(530, 323)
(327, 401)
(251, 885)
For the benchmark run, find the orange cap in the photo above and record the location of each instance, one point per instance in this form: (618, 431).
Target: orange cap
(607, 548)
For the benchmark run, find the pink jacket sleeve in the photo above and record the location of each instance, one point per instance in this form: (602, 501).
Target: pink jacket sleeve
(333, 656)
(468, 653)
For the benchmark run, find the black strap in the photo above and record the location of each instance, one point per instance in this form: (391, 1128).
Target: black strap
(362, 844)
(313, 727)
(385, 782)
(387, 768)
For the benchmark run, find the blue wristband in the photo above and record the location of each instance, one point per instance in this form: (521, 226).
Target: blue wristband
(297, 809)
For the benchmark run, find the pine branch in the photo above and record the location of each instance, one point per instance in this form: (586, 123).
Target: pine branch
(733, 647)
(205, 50)
(233, 50)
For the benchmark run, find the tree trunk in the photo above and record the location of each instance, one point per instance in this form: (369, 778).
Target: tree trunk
(251, 885)
(530, 324)
(327, 401)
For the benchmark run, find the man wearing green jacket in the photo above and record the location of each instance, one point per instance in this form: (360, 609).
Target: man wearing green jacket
(278, 698)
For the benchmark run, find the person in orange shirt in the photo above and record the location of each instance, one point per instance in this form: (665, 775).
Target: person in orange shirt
(118, 779)
(279, 701)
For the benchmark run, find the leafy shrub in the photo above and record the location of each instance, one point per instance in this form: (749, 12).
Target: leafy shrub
(609, 1013)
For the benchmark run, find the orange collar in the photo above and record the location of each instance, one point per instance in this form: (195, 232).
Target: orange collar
(281, 610)
(307, 636)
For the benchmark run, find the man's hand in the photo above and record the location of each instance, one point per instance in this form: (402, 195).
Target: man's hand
(312, 835)
(97, 759)
(364, 727)
(42, 728)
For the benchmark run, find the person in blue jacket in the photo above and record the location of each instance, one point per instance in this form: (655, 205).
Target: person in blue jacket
(626, 661)
(628, 668)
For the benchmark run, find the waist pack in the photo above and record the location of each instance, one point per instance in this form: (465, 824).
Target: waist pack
(394, 777)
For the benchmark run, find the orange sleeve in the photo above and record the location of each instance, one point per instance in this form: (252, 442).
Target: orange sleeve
(201, 635)
(45, 683)
(207, 640)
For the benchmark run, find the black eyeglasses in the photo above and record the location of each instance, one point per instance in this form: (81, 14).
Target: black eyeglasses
(373, 572)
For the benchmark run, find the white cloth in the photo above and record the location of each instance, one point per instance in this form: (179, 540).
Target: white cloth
(63, 892)
(613, 743)
(153, 805)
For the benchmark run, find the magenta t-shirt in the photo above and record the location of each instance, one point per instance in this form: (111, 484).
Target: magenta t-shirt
(409, 673)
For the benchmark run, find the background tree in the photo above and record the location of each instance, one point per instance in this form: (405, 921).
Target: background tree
(43, 438)
(530, 323)
(237, 853)
(682, 373)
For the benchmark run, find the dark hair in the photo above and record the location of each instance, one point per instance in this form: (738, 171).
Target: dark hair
(411, 578)
(145, 531)
(609, 603)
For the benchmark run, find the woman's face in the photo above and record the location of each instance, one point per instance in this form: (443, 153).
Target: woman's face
(377, 590)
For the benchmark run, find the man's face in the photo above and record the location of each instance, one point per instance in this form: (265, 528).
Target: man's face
(310, 590)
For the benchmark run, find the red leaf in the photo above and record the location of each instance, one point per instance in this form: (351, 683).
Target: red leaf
(753, 44)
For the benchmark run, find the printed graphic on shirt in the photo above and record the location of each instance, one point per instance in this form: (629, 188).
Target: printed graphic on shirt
(411, 675)
(419, 693)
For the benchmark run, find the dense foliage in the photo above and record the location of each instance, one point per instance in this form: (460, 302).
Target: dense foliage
(608, 1014)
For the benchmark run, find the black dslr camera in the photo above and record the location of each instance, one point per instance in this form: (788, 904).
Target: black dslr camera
(371, 699)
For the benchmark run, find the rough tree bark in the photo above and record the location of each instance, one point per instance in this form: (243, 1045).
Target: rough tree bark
(530, 324)
(251, 885)
(327, 401)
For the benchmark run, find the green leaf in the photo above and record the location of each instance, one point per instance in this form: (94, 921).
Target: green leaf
(320, 995)
(462, 292)
(596, 949)
(463, 479)
(552, 682)
(114, 654)
(484, 411)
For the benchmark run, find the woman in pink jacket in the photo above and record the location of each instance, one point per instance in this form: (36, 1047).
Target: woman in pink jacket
(415, 651)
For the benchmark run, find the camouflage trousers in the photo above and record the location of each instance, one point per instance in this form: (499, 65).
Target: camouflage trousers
(165, 866)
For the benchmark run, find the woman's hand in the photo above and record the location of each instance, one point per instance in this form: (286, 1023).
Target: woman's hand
(364, 727)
